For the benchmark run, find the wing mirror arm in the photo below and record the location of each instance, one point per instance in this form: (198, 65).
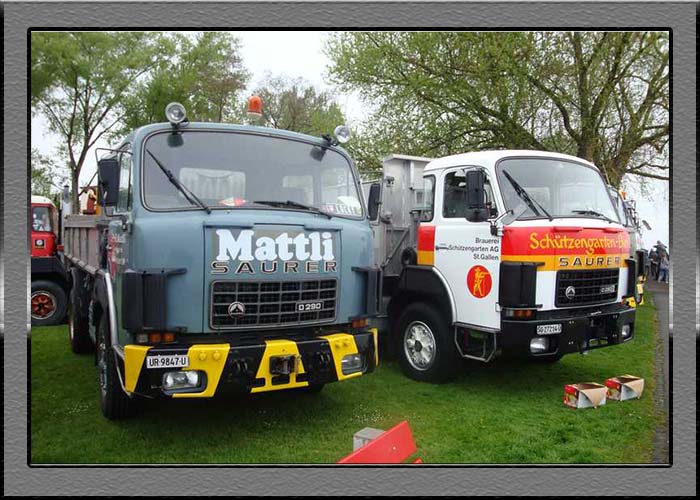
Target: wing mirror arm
(496, 226)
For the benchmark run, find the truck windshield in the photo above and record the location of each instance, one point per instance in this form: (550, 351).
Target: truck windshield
(233, 169)
(620, 206)
(41, 219)
(563, 188)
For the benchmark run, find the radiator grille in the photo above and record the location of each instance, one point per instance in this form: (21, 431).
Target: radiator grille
(272, 303)
(590, 287)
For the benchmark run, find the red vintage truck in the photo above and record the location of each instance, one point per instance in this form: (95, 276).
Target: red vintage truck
(49, 297)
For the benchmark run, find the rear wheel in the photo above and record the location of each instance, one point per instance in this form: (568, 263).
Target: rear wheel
(48, 303)
(114, 402)
(425, 346)
(78, 323)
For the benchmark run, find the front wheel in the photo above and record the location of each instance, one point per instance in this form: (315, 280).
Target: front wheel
(426, 348)
(114, 402)
(48, 303)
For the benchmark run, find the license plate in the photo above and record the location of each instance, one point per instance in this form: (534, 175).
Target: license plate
(548, 329)
(607, 289)
(309, 306)
(167, 361)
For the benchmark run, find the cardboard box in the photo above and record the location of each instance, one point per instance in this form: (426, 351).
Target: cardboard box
(585, 395)
(624, 387)
(364, 436)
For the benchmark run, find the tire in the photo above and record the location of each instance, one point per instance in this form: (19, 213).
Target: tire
(424, 345)
(48, 303)
(114, 402)
(78, 322)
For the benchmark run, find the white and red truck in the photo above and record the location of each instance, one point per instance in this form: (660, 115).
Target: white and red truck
(518, 253)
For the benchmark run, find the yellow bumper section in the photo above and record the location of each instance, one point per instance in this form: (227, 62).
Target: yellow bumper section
(212, 360)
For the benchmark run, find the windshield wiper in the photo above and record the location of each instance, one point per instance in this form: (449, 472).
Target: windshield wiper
(296, 204)
(594, 214)
(520, 191)
(191, 197)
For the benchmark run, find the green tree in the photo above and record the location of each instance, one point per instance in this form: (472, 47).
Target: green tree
(205, 74)
(293, 104)
(46, 176)
(81, 81)
(601, 96)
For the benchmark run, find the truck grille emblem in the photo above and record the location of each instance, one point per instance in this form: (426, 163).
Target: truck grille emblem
(236, 310)
(570, 292)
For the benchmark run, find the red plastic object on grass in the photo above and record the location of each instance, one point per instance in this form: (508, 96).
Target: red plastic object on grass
(392, 447)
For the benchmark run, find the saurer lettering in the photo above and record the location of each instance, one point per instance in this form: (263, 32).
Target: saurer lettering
(309, 252)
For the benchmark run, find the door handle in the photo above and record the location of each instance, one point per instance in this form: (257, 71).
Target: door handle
(441, 246)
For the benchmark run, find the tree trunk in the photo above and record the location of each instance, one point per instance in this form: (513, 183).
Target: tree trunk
(75, 203)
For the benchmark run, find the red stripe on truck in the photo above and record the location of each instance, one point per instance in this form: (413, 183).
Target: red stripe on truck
(426, 238)
(564, 241)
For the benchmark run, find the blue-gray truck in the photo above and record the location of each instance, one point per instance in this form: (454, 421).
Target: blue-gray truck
(226, 257)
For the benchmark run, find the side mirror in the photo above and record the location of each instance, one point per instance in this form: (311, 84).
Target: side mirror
(108, 179)
(476, 196)
(641, 262)
(373, 201)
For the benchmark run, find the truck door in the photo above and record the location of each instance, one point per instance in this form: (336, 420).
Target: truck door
(466, 253)
(118, 233)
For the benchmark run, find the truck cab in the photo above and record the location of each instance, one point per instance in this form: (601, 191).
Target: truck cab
(227, 257)
(513, 253)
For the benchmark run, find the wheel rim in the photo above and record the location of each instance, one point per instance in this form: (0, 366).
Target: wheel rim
(419, 345)
(43, 304)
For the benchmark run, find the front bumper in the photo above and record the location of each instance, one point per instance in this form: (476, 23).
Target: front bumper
(582, 330)
(250, 368)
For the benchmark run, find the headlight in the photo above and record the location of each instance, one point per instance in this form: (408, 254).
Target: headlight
(352, 363)
(342, 134)
(539, 344)
(625, 331)
(175, 113)
(183, 379)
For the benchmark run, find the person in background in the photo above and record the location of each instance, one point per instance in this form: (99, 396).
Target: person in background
(663, 267)
(654, 262)
(647, 265)
(661, 249)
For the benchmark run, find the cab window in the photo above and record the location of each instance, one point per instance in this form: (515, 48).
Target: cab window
(455, 203)
(41, 219)
(124, 197)
(425, 199)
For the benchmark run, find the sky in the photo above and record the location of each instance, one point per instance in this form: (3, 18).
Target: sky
(299, 54)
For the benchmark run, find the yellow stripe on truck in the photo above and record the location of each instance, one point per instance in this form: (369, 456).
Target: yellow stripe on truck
(571, 262)
(211, 359)
(133, 362)
(341, 345)
(279, 348)
(375, 335)
(425, 258)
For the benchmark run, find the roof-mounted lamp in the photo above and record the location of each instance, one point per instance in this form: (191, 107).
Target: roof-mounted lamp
(175, 113)
(255, 107)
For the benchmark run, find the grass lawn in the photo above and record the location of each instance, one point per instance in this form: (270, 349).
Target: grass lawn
(499, 413)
